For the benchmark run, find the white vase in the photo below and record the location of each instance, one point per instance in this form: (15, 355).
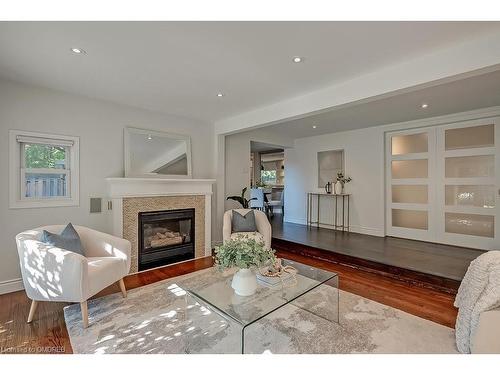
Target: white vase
(338, 187)
(244, 282)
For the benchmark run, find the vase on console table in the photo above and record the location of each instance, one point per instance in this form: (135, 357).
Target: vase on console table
(338, 187)
(244, 282)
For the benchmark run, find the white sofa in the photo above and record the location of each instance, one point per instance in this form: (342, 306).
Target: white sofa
(54, 274)
(263, 227)
(487, 337)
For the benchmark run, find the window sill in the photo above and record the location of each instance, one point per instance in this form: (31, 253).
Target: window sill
(44, 203)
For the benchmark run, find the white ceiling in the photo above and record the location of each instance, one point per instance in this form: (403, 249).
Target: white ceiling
(178, 67)
(463, 95)
(263, 147)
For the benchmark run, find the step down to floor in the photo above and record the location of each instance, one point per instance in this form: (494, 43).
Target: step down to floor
(416, 278)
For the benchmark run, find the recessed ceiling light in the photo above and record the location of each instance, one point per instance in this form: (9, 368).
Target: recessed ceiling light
(220, 95)
(78, 51)
(149, 137)
(297, 59)
(314, 126)
(424, 105)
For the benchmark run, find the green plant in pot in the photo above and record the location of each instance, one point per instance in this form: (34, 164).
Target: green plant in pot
(244, 253)
(245, 203)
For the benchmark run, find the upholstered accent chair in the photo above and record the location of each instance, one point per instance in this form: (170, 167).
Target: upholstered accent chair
(53, 274)
(263, 232)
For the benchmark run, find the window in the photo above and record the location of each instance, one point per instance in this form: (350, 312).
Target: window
(268, 177)
(43, 170)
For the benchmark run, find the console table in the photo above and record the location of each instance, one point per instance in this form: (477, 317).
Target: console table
(343, 223)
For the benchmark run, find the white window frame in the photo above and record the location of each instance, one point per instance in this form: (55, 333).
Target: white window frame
(17, 170)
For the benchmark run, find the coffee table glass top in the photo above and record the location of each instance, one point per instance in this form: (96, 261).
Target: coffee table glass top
(246, 310)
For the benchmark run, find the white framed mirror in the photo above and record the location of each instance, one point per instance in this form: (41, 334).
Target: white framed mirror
(151, 153)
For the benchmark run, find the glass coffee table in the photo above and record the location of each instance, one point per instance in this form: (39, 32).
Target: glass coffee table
(245, 311)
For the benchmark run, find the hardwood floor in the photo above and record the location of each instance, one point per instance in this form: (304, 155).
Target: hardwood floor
(444, 261)
(47, 332)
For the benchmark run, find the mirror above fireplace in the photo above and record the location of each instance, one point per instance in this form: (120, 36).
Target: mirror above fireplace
(149, 153)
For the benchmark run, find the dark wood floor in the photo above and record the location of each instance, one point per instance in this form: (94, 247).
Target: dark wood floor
(48, 329)
(435, 259)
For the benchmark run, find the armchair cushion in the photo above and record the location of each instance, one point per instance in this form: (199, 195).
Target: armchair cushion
(261, 221)
(67, 240)
(243, 222)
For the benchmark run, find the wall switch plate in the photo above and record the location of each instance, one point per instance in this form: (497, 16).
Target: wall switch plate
(95, 205)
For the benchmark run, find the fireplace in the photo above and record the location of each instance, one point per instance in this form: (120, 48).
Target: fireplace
(165, 237)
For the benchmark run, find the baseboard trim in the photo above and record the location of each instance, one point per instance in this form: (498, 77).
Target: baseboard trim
(353, 228)
(9, 286)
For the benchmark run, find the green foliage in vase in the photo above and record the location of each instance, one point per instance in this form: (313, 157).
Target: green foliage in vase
(343, 179)
(243, 253)
(241, 199)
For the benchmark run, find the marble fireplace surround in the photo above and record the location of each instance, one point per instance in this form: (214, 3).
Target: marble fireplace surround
(130, 196)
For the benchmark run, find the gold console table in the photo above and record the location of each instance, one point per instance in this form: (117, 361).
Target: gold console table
(343, 223)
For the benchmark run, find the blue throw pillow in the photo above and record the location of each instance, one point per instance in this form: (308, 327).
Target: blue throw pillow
(244, 223)
(67, 240)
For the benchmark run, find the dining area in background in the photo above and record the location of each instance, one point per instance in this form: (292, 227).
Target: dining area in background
(267, 199)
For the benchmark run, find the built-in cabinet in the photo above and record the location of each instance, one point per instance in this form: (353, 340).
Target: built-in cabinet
(442, 183)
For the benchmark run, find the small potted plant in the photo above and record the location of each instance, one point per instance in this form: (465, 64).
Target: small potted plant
(245, 203)
(340, 183)
(244, 253)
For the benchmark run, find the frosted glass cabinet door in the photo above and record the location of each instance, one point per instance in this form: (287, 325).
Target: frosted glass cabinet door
(410, 169)
(470, 137)
(409, 144)
(410, 219)
(470, 166)
(470, 224)
(470, 195)
(468, 159)
(409, 155)
(443, 183)
(410, 194)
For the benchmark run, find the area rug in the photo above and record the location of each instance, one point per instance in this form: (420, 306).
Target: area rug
(158, 318)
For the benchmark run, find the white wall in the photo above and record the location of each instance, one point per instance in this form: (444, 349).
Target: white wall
(364, 162)
(99, 125)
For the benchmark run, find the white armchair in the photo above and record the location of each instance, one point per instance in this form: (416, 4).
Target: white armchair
(53, 274)
(263, 227)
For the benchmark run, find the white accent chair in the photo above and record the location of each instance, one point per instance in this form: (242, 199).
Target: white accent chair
(53, 274)
(257, 199)
(263, 227)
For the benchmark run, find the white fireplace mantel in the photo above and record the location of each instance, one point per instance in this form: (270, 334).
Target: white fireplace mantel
(129, 187)
(119, 187)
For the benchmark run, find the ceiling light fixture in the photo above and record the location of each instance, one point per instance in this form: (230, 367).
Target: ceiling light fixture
(78, 51)
(220, 95)
(297, 59)
(149, 137)
(314, 126)
(424, 105)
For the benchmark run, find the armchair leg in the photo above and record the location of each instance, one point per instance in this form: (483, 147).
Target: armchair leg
(34, 305)
(85, 314)
(122, 288)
